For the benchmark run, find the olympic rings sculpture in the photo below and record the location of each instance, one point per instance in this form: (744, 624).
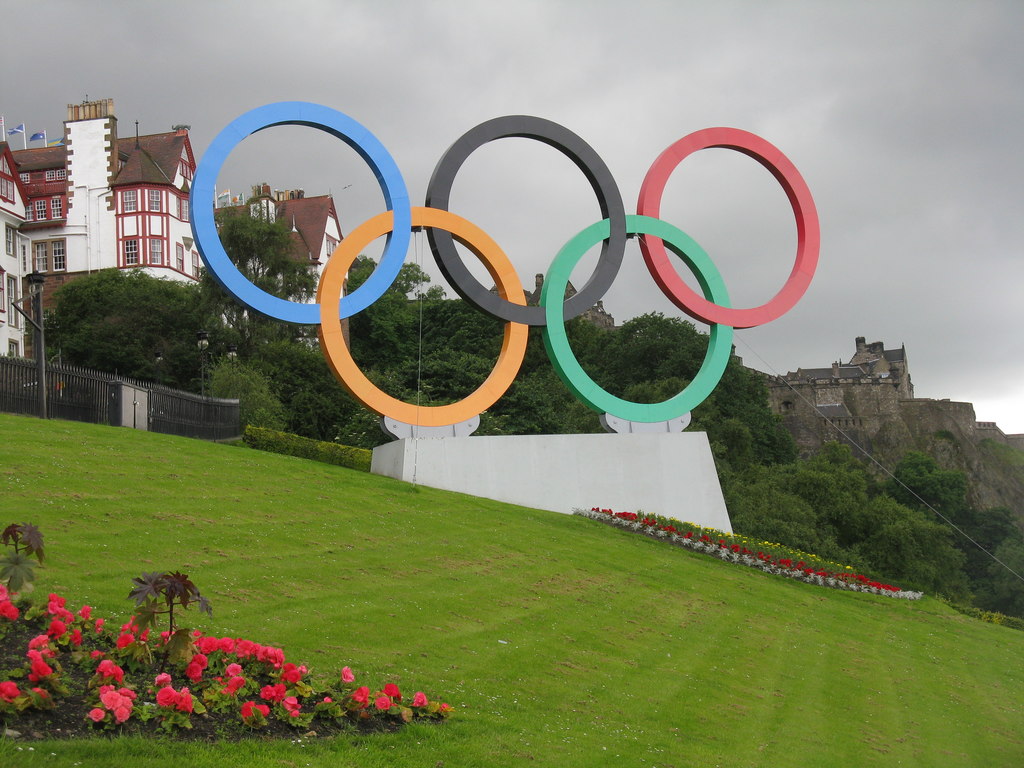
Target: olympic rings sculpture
(444, 228)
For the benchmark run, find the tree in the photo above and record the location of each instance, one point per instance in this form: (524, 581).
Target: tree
(119, 320)
(257, 405)
(262, 251)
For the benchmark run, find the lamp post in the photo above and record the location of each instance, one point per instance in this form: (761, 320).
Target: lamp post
(35, 290)
(232, 352)
(202, 341)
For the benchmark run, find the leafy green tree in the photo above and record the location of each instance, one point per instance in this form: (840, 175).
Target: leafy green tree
(257, 404)
(920, 483)
(262, 251)
(119, 320)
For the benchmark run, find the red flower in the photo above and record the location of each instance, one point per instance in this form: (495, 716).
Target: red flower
(234, 684)
(9, 691)
(85, 612)
(184, 701)
(125, 639)
(97, 714)
(167, 697)
(361, 695)
(392, 690)
(40, 668)
(274, 693)
(420, 699)
(110, 670)
(8, 610)
(382, 702)
(291, 673)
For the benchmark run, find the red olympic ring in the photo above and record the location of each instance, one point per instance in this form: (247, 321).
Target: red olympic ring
(807, 227)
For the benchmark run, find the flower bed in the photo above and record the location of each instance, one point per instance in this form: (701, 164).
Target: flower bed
(67, 675)
(778, 560)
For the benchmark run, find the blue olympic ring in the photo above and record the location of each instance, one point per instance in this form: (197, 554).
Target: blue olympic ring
(204, 228)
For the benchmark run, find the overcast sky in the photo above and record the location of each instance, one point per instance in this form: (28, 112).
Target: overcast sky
(905, 119)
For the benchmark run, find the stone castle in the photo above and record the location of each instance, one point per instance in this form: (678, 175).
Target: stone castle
(869, 404)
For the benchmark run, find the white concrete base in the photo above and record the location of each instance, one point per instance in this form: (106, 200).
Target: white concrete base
(668, 474)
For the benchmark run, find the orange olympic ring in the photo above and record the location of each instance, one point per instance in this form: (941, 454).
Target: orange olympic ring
(339, 357)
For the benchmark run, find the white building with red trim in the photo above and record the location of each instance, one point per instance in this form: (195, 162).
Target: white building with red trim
(101, 200)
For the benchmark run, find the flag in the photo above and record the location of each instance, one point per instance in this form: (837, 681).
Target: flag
(19, 129)
(55, 143)
(41, 136)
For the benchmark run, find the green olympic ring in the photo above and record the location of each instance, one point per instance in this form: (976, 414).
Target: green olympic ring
(557, 342)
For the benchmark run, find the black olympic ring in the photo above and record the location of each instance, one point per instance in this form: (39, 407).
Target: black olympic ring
(583, 157)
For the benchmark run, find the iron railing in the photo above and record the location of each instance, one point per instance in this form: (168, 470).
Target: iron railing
(82, 394)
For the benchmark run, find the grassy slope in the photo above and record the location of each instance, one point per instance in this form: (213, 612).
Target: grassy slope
(617, 649)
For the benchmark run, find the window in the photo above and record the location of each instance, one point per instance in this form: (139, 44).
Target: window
(12, 296)
(131, 252)
(57, 207)
(180, 257)
(195, 264)
(130, 201)
(154, 199)
(24, 257)
(24, 177)
(156, 251)
(9, 241)
(6, 189)
(56, 175)
(3, 304)
(183, 208)
(59, 259)
(12, 349)
(40, 210)
(41, 259)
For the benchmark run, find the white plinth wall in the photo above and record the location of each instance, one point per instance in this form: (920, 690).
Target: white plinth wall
(668, 474)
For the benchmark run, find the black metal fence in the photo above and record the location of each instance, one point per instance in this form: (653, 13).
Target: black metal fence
(82, 394)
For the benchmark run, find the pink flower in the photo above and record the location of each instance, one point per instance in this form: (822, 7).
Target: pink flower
(274, 693)
(291, 704)
(184, 701)
(328, 699)
(227, 644)
(361, 695)
(291, 673)
(392, 690)
(163, 679)
(99, 625)
(233, 669)
(109, 669)
(382, 702)
(167, 697)
(85, 612)
(97, 654)
(96, 715)
(111, 698)
(346, 675)
(76, 636)
(208, 644)
(39, 641)
(420, 699)
(125, 639)
(8, 610)
(194, 672)
(122, 712)
(40, 668)
(57, 628)
(234, 684)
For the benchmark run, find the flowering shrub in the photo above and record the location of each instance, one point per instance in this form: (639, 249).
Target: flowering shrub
(730, 547)
(130, 683)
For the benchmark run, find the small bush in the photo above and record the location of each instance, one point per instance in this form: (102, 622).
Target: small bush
(292, 445)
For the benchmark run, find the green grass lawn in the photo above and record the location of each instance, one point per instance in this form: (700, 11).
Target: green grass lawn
(560, 641)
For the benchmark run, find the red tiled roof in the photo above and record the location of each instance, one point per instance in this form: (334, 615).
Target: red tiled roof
(308, 216)
(41, 158)
(150, 159)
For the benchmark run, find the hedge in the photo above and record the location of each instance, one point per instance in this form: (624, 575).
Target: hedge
(293, 445)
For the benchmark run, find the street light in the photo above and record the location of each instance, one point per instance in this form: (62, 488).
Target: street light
(35, 290)
(232, 351)
(203, 342)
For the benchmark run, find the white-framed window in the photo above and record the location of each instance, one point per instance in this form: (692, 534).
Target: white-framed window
(129, 201)
(56, 175)
(40, 206)
(6, 188)
(12, 348)
(195, 264)
(131, 252)
(12, 296)
(156, 251)
(57, 207)
(154, 200)
(41, 260)
(24, 177)
(9, 241)
(60, 262)
(24, 256)
(179, 256)
(3, 304)
(183, 208)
